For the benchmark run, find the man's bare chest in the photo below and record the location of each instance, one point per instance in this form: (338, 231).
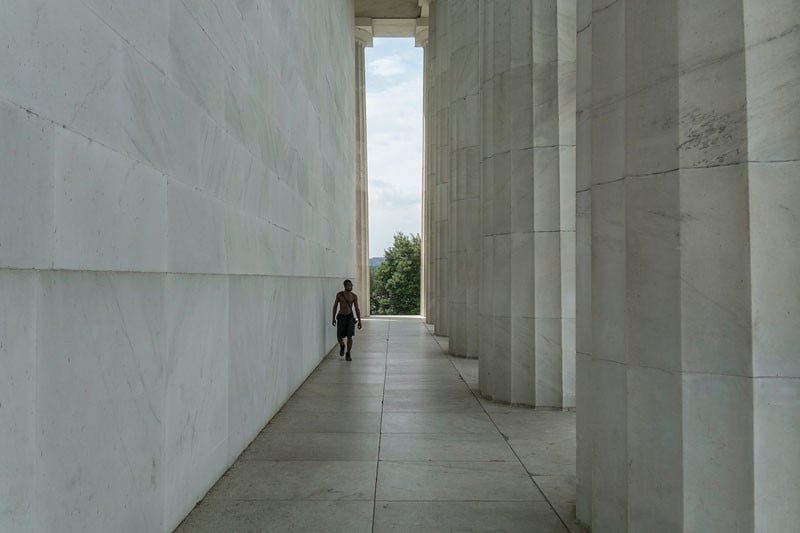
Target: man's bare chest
(346, 299)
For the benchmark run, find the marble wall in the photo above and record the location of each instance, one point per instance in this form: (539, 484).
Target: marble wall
(176, 216)
(688, 196)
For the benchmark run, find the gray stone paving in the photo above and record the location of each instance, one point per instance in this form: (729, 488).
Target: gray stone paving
(398, 440)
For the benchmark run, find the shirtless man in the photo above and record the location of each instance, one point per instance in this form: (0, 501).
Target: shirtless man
(344, 321)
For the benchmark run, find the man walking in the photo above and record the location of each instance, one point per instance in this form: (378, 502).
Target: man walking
(344, 321)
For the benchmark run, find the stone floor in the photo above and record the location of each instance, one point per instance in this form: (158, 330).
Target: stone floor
(398, 440)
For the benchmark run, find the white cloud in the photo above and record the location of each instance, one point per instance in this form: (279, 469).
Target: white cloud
(387, 67)
(393, 197)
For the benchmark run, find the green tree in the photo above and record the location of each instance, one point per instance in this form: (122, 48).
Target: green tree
(395, 283)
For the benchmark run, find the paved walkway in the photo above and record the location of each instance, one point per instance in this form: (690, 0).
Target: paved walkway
(398, 440)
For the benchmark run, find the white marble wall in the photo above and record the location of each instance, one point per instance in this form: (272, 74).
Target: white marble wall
(177, 186)
(688, 289)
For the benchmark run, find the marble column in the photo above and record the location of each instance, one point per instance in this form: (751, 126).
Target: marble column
(495, 278)
(428, 284)
(772, 58)
(363, 39)
(583, 261)
(526, 337)
(440, 173)
(430, 235)
(689, 151)
(464, 164)
(421, 41)
(566, 13)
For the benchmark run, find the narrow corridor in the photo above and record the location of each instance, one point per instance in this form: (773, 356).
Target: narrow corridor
(398, 440)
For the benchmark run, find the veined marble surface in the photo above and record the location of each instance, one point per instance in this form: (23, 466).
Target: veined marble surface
(462, 48)
(142, 388)
(175, 219)
(527, 202)
(688, 292)
(261, 162)
(18, 386)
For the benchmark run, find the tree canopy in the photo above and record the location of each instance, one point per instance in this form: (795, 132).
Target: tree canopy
(395, 284)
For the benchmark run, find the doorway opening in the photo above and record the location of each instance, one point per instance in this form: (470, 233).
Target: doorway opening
(394, 117)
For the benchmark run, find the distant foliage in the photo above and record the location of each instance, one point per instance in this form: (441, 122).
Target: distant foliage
(395, 284)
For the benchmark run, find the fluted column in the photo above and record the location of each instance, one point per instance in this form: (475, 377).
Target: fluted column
(566, 13)
(440, 46)
(500, 108)
(421, 41)
(430, 237)
(363, 39)
(464, 190)
(690, 373)
(772, 58)
(583, 262)
(527, 273)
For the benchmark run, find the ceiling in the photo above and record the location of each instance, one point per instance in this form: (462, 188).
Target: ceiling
(391, 9)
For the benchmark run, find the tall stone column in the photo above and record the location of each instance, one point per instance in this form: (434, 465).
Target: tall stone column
(506, 95)
(427, 285)
(566, 13)
(440, 72)
(430, 236)
(527, 248)
(363, 39)
(464, 164)
(690, 373)
(772, 58)
(583, 262)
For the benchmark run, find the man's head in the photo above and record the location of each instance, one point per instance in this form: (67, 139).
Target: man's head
(348, 285)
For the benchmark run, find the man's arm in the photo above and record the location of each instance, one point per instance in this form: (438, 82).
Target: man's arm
(335, 305)
(358, 311)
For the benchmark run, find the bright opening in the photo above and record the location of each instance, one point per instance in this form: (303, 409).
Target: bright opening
(394, 87)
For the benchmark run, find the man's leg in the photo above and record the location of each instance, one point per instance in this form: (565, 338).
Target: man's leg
(349, 346)
(341, 347)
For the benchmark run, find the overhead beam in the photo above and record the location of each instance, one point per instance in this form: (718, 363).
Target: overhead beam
(389, 27)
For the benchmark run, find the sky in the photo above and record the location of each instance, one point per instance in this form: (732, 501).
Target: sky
(394, 140)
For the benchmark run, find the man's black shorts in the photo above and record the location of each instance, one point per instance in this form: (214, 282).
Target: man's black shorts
(345, 326)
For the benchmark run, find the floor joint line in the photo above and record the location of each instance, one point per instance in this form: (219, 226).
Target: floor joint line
(519, 459)
(380, 422)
